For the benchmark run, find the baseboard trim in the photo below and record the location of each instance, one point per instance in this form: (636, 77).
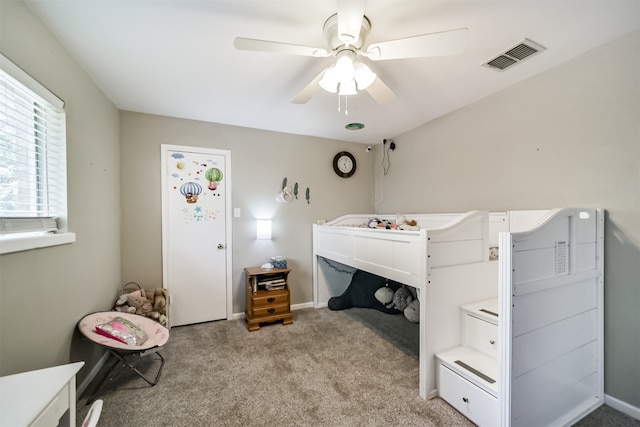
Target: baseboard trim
(301, 306)
(621, 406)
(236, 316)
(92, 374)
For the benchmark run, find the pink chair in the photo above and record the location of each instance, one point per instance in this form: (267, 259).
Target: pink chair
(125, 354)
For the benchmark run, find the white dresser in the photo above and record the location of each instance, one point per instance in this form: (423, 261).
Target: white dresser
(39, 398)
(467, 375)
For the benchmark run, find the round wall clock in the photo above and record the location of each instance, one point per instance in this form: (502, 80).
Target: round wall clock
(344, 164)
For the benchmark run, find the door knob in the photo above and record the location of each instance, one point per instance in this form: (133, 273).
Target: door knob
(220, 246)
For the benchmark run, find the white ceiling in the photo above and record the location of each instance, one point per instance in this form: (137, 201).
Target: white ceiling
(176, 57)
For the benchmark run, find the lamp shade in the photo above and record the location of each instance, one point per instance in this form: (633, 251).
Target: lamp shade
(363, 75)
(348, 88)
(263, 229)
(329, 81)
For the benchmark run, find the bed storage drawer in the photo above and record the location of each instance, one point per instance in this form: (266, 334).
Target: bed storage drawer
(473, 402)
(481, 335)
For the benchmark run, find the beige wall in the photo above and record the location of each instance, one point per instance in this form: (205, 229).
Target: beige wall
(567, 138)
(44, 292)
(259, 162)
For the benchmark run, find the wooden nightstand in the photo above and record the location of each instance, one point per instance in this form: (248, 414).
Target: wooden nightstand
(267, 296)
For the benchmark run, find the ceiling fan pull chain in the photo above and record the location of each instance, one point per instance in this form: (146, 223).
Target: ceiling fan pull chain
(338, 103)
(346, 105)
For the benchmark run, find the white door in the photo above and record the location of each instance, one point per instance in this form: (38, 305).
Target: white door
(196, 233)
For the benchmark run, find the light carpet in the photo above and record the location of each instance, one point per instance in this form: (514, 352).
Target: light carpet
(327, 368)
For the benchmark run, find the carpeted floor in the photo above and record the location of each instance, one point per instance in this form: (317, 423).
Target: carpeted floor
(324, 369)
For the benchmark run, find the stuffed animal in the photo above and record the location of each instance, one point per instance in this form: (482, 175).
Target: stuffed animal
(381, 223)
(410, 224)
(412, 312)
(361, 293)
(384, 295)
(368, 290)
(160, 301)
(401, 299)
(150, 303)
(131, 302)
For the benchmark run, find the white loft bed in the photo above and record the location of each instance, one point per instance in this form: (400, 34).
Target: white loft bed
(447, 261)
(448, 253)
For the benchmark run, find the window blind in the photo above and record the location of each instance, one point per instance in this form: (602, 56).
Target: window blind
(32, 154)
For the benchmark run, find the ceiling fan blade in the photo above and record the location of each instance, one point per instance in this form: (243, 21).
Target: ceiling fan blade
(350, 15)
(445, 43)
(380, 92)
(242, 43)
(309, 90)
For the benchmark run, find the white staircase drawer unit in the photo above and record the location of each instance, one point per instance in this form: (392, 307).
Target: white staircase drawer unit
(473, 402)
(481, 335)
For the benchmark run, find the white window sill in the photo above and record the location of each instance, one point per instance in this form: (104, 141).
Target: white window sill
(10, 244)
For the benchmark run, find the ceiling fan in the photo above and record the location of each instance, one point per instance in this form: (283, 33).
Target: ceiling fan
(346, 32)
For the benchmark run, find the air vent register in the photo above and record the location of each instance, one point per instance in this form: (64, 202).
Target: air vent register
(525, 49)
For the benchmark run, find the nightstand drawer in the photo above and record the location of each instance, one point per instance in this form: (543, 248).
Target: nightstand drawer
(267, 310)
(262, 298)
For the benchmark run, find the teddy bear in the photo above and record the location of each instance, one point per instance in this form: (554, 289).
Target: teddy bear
(160, 301)
(412, 312)
(401, 299)
(150, 303)
(134, 302)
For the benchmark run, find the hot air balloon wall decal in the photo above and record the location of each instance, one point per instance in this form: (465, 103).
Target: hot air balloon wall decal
(191, 190)
(214, 176)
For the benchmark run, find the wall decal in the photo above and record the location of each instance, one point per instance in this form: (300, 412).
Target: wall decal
(214, 176)
(191, 190)
(188, 177)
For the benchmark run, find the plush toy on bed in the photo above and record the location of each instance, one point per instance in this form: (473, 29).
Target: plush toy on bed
(361, 292)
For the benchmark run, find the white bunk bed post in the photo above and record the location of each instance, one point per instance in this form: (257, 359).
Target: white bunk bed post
(314, 266)
(424, 347)
(551, 320)
(504, 328)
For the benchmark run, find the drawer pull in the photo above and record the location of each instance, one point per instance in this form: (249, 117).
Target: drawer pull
(272, 299)
(271, 310)
(492, 341)
(465, 400)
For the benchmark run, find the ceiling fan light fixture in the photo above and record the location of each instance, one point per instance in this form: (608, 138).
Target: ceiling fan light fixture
(329, 81)
(344, 68)
(364, 76)
(348, 88)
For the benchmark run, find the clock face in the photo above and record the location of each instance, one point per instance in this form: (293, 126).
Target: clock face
(344, 164)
